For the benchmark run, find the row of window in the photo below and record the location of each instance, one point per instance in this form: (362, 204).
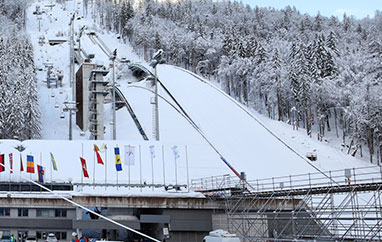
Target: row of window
(23, 234)
(40, 212)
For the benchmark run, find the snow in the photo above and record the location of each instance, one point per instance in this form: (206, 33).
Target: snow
(239, 137)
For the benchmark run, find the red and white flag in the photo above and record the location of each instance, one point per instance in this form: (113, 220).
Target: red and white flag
(84, 169)
(21, 163)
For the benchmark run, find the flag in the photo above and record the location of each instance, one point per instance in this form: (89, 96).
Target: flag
(54, 165)
(129, 155)
(152, 151)
(21, 163)
(84, 169)
(40, 170)
(175, 150)
(2, 161)
(30, 164)
(118, 164)
(11, 161)
(99, 159)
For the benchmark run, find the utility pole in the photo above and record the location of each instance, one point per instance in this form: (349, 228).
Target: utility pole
(73, 77)
(112, 58)
(39, 23)
(156, 105)
(70, 106)
(156, 59)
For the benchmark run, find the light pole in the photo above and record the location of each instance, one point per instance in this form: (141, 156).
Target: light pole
(79, 39)
(112, 58)
(39, 22)
(157, 59)
(70, 106)
(71, 56)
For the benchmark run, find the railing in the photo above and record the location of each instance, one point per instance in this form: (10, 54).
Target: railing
(362, 175)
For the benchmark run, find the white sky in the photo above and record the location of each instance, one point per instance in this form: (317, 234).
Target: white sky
(358, 8)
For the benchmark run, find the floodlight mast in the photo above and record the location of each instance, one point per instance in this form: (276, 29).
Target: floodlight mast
(112, 58)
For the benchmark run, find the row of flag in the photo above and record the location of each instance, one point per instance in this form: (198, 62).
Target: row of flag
(129, 156)
(30, 165)
(129, 160)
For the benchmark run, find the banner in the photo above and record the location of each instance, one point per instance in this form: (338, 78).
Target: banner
(54, 165)
(175, 151)
(21, 163)
(2, 161)
(84, 169)
(40, 171)
(129, 155)
(99, 159)
(152, 151)
(11, 161)
(118, 164)
(30, 164)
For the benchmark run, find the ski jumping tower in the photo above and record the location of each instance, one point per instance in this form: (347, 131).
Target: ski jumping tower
(90, 96)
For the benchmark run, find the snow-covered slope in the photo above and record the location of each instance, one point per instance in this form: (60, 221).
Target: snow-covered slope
(237, 135)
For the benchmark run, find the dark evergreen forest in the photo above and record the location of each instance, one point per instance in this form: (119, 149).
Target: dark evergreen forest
(313, 72)
(20, 115)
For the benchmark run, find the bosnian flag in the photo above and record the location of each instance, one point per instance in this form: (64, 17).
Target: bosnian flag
(118, 164)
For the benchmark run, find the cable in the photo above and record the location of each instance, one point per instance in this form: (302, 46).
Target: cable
(257, 120)
(190, 121)
(80, 206)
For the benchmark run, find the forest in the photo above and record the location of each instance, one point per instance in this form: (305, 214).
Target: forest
(313, 72)
(20, 115)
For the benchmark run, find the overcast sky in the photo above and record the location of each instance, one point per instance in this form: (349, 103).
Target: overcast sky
(358, 8)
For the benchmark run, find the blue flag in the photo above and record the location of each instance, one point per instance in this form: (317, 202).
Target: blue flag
(118, 164)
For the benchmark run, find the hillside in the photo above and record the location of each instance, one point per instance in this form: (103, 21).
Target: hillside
(240, 138)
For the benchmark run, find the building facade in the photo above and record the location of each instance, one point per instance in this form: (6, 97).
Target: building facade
(37, 214)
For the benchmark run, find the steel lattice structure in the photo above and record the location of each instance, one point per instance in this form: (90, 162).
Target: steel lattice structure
(342, 205)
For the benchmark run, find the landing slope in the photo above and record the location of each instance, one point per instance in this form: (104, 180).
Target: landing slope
(243, 141)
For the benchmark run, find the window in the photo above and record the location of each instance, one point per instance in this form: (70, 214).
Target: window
(43, 212)
(4, 212)
(23, 212)
(43, 235)
(60, 213)
(60, 235)
(5, 234)
(50, 212)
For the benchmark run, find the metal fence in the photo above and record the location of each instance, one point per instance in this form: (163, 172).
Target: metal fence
(361, 175)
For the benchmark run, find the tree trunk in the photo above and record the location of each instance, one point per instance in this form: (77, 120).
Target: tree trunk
(370, 142)
(335, 121)
(279, 106)
(351, 144)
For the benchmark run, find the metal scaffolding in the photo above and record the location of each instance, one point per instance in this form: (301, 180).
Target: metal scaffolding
(341, 205)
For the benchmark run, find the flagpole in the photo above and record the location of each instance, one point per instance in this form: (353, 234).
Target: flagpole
(94, 163)
(129, 166)
(105, 166)
(164, 167)
(176, 171)
(51, 169)
(82, 155)
(140, 167)
(116, 165)
(30, 174)
(188, 175)
(9, 167)
(152, 172)
(21, 159)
